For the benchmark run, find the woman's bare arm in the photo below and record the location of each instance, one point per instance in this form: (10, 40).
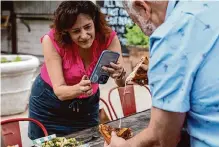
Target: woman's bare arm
(53, 63)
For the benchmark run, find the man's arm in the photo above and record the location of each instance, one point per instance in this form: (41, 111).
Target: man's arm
(163, 130)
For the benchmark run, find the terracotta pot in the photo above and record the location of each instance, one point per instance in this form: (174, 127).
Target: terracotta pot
(137, 51)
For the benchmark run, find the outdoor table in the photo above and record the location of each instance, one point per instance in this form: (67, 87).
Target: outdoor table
(137, 122)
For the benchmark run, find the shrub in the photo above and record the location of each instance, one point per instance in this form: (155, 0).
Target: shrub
(135, 37)
(5, 60)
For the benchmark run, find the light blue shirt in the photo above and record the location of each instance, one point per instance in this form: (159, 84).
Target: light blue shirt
(184, 67)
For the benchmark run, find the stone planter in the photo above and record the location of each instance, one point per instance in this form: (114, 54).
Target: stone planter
(16, 81)
(136, 53)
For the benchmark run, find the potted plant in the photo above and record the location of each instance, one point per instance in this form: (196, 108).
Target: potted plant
(137, 43)
(17, 72)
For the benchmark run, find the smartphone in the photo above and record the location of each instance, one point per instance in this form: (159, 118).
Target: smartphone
(99, 75)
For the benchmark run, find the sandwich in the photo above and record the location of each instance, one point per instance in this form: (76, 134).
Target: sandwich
(106, 131)
(139, 75)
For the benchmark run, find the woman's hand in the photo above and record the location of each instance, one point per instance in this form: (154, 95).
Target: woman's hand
(84, 86)
(116, 71)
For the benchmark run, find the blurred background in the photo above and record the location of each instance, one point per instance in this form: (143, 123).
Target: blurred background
(24, 22)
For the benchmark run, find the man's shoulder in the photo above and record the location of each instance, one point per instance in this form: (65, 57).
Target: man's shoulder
(188, 15)
(202, 11)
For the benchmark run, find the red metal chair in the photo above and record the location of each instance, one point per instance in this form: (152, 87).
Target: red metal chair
(108, 109)
(11, 130)
(128, 102)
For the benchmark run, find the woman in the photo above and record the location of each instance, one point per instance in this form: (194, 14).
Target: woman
(62, 96)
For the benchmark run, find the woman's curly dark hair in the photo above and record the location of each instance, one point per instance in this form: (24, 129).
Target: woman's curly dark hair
(66, 15)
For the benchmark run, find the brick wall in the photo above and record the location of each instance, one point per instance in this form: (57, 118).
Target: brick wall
(29, 42)
(5, 41)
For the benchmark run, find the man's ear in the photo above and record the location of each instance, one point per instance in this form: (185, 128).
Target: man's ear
(143, 8)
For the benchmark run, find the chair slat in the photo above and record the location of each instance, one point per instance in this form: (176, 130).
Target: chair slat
(11, 134)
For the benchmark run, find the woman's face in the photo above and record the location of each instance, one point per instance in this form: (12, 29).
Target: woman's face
(83, 31)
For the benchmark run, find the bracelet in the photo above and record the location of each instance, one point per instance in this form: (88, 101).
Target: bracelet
(121, 75)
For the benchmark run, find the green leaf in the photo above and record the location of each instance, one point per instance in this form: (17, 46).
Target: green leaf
(136, 37)
(4, 60)
(17, 59)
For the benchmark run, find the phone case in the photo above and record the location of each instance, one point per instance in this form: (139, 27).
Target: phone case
(99, 75)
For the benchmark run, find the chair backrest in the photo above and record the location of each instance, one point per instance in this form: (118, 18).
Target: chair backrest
(127, 99)
(11, 130)
(2, 142)
(103, 116)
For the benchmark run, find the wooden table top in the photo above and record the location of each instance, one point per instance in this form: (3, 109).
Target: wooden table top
(137, 122)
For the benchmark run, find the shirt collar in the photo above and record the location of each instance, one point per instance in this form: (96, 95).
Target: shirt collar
(171, 5)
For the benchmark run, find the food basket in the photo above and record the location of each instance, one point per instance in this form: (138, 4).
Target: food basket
(53, 141)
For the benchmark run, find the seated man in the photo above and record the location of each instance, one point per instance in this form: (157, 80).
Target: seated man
(183, 74)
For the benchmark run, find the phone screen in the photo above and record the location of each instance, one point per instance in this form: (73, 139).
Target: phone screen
(99, 75)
